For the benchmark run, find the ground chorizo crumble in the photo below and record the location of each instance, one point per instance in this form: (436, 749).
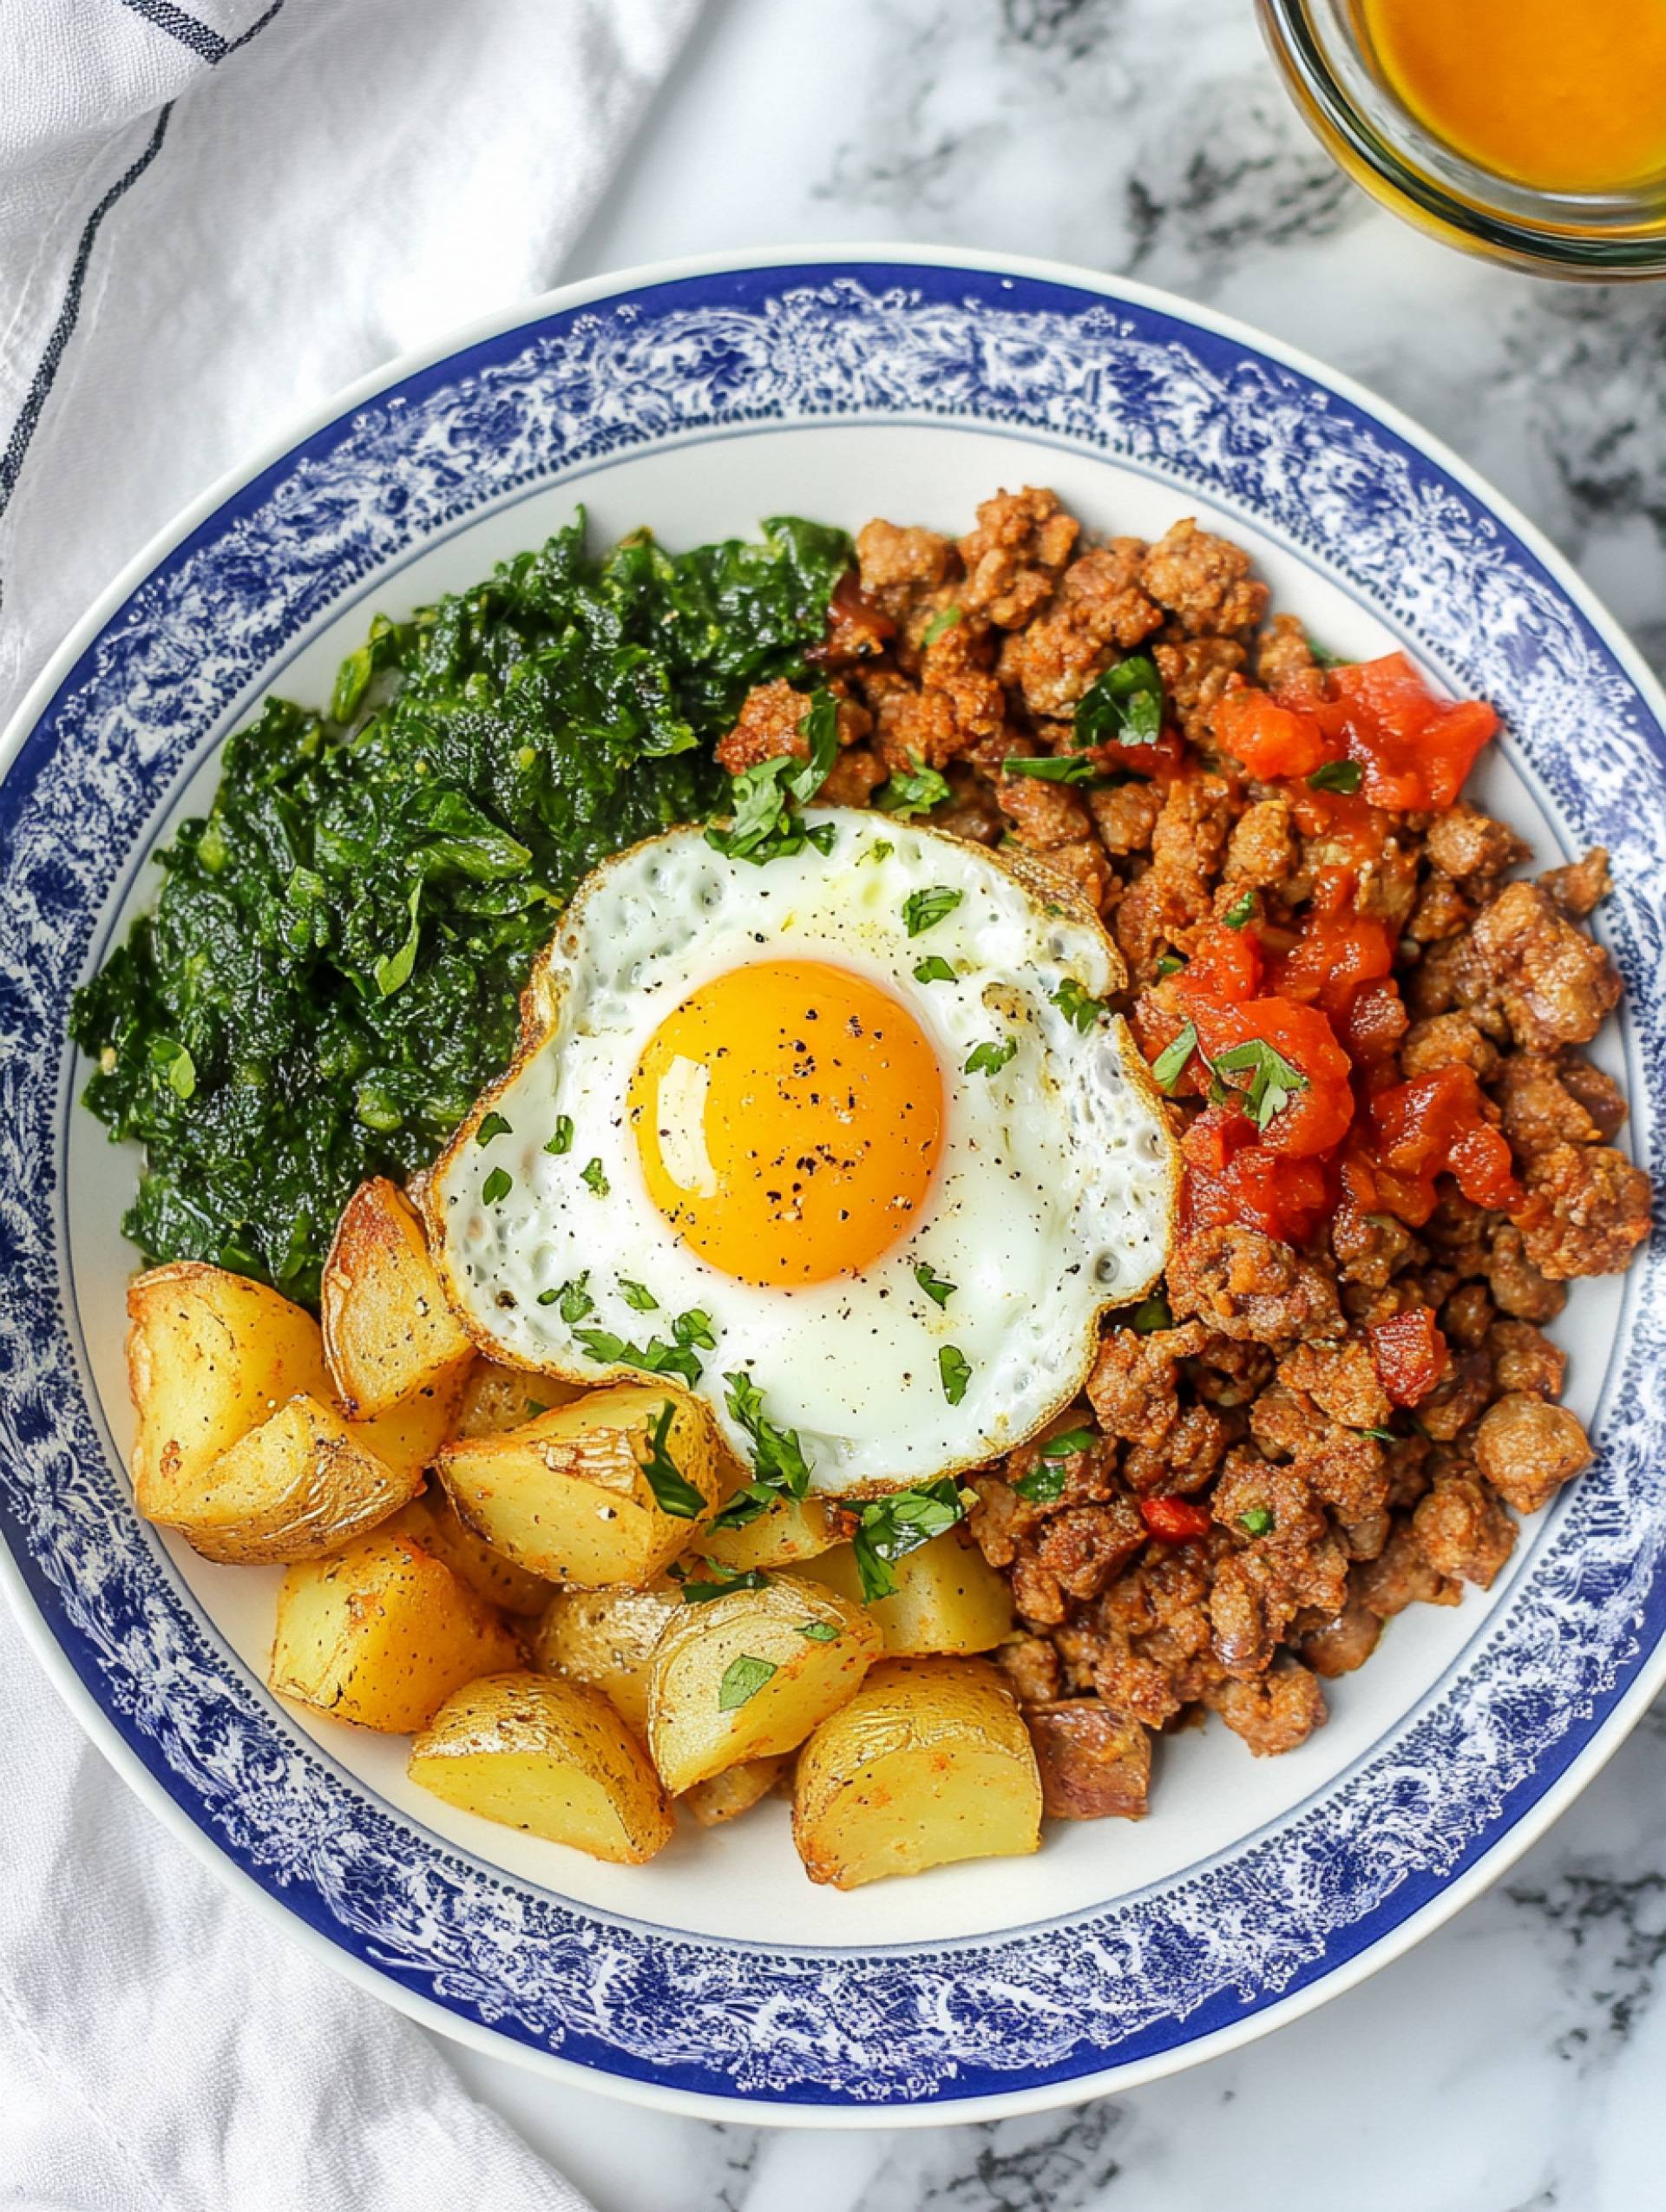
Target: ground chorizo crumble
(1396, 1153)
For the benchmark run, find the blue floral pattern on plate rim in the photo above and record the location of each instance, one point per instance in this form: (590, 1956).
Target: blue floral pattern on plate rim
(715, 353)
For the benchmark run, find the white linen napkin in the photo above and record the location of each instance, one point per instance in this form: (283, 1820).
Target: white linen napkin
(210, 217)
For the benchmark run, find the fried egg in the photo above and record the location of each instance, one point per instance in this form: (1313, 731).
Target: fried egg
(853, 1126)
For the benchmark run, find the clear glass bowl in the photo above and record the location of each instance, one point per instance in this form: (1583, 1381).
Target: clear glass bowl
(1321, 46)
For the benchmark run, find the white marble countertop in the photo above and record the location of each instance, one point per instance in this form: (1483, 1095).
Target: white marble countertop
(1515, 2059)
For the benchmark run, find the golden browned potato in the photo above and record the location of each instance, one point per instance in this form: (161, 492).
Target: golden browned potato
(408, 1435)
(301, 1485)
(550, 1756)
(382, 1634)
(430, 1520)
(750, 1674)
(496, 1398)
(783, 1534)
(210, 1356)
(606, 1636)
(930, 1762)
(736, 1790)
(947, 1596)
(605, 1491)
(387, 1331)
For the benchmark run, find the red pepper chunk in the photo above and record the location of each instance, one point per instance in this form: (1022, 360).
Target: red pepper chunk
(1175, 1520)
(1410, 1353)
(1436, 1124)
(1413, 750)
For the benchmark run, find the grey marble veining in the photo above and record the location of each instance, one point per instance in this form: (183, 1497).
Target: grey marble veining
(1514, 2061)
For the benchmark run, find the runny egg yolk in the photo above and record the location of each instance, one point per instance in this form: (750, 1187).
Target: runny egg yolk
(788, 1115)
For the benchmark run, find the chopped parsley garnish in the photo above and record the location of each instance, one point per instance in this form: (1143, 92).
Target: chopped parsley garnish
(1240, 911)
(923, 911)
(1273, 1080)
(820, 1632)
(1044, 1485)
(574, 1298)
(1078, 1004)
(990, 1058)
(492, 1124)
(1325, 658)
(937, 1287)
(932, 969)
(673, 1491)
(1336, 776)
(1171, 964)
(892, 1527)
(392, 971)
(939, 625)
(1123, 706)
(591, 1173)
(955, 1371)
(497, 1186)
(1151, 1313)
(1382, 1435)
(723, 1579)
(637, 1296)
(694, 1327)
(535, 1406)
(1054, 767)
(912, 790)
(881, 849)
(563, 1140)
(1258, 1520)
(743, 1678)
(1066, 1444)
(765, 825)
(780, 1468)
(656, 1356)
(1171, 1062)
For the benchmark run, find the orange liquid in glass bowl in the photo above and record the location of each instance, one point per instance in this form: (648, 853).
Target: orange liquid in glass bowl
(1563, 95)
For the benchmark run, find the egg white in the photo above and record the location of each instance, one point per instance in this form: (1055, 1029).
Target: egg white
(1053, 1197)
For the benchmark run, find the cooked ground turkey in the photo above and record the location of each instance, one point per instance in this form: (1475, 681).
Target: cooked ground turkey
(1265, 1488)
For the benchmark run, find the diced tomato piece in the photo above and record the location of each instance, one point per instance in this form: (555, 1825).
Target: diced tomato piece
(1437, 1124)
(1416, 750)
(1226, 962)
(1410, 1353)
(1160, 762)
(1316, 1116)
(1285, 1199)
(1271, 740)
(1338, 952)
(1175, 1520)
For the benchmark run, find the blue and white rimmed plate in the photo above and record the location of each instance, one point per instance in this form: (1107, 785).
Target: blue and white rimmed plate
(698, 398)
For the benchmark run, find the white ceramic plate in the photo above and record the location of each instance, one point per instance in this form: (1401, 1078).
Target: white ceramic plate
(697, 399)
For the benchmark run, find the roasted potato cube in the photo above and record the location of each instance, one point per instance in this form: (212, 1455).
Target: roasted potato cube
(430, 1520)
(496, 1398)
(750, 1674)
(408, 1435)
(210, 1356)
(300, 1486)
(606, 1636)
(387, 1331)
(605, 1491)
(736, 1790)
(783, 1534)
(947, 1596)
(382, 1634)
(930, 1762)
(548, 1756)
(1096, 1764)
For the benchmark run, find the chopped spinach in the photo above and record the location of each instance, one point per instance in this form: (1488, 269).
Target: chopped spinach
(333, 969)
